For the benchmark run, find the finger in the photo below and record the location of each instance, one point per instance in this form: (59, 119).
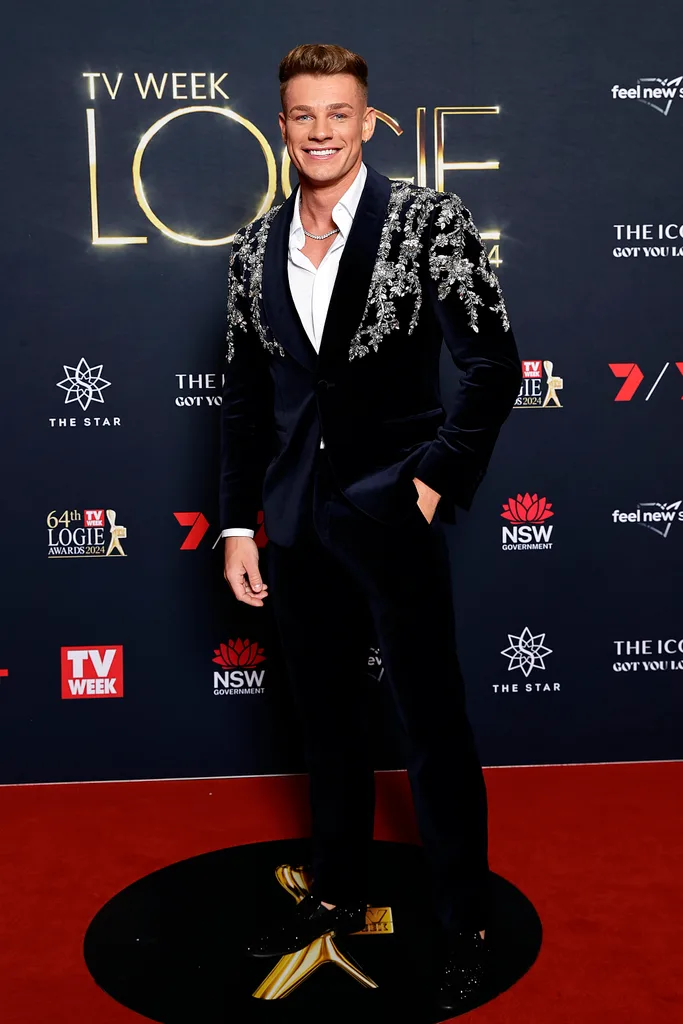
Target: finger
(242, 590)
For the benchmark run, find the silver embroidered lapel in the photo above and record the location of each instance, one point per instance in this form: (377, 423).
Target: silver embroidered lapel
(246, 282)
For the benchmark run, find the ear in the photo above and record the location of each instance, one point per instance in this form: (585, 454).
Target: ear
(369, 122)
(283, 125)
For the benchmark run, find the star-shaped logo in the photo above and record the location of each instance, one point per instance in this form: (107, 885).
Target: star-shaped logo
(526, 652)
(83, 384)
(668, 89)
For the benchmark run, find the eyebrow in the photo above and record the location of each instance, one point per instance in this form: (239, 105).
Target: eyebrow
(330, 106)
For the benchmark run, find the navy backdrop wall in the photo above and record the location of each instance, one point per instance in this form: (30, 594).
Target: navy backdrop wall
(122, 653)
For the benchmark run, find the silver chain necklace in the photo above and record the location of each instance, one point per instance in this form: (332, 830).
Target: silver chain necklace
(310, 233)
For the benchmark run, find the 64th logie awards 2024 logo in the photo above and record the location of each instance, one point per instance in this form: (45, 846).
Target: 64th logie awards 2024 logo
(86, 534)
(532, 394)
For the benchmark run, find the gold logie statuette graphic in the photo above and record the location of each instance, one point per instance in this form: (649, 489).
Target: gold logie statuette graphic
(117, 533)
(294, 968)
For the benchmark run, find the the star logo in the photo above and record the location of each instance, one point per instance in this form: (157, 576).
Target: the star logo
(526, 652)
(83, 384)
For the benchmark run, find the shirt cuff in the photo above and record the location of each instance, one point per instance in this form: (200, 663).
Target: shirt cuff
(237, 531)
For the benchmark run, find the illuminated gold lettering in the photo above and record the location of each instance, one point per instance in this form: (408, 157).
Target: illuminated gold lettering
(92, 75)
(440, 165)
(214, 85)
(186, 239)
(196, 86)
(108, 84)
(151, 81)
(421, 142)
(177, 86)
(97, 239)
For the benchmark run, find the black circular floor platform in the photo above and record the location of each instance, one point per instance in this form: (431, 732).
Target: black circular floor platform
(171, 946)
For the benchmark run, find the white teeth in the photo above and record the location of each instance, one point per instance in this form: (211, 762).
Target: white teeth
(321, 152)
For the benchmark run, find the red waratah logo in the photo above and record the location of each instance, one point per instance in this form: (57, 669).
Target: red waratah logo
(239, 654)
(527, 509)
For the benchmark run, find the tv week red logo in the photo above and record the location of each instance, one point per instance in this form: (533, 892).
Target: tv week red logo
(92, 672)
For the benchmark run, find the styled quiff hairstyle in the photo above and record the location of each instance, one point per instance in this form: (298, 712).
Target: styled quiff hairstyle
(322, 59)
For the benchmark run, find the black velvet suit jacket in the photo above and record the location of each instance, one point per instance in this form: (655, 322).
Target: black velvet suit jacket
(413, 271)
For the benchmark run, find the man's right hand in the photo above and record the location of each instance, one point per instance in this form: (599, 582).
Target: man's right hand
(242, 571)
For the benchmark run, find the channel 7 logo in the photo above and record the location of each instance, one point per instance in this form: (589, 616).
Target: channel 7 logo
(198, 526)
(633, 377)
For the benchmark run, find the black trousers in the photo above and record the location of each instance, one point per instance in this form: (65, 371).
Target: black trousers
(347, 582)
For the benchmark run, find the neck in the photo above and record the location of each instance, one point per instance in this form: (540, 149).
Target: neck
(318, 199)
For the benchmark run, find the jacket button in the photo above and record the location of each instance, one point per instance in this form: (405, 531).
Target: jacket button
(323, 385)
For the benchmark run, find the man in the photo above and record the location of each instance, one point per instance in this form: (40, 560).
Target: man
(332, 422)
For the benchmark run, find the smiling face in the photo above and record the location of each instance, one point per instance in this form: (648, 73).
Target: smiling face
(324, 124)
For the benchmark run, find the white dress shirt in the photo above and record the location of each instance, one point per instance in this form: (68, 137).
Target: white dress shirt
(311, 286)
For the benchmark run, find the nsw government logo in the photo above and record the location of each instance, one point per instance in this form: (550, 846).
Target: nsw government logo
(92, 672)
(532, 393)
(238, 659)
(526, 652)
(86, 534)
(84, 386)
(528, 531)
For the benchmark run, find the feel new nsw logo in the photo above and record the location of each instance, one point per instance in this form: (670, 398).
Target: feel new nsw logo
(238, 659)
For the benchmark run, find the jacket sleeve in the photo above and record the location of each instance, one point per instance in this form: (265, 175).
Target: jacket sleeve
(247, 405)
(466, 297)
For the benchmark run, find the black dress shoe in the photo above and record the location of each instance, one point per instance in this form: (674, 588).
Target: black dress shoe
(308, 921)
(463, 970)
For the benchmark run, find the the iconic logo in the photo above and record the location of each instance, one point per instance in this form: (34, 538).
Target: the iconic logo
(633, 377)
(294, 968)
(238, 658)
(76, 534)
(656, 239)
(92, 672)
(658, 93)
(529, 532)
(531, 394)
(655, 515)
(647, 655)
(197, 389)
(84, 386)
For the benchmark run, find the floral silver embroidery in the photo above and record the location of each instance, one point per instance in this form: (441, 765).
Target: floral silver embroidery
(394, 276)
(453, 223)
(249, 245)
(397, 277)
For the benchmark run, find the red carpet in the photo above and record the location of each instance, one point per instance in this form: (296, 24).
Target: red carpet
(597, 849)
